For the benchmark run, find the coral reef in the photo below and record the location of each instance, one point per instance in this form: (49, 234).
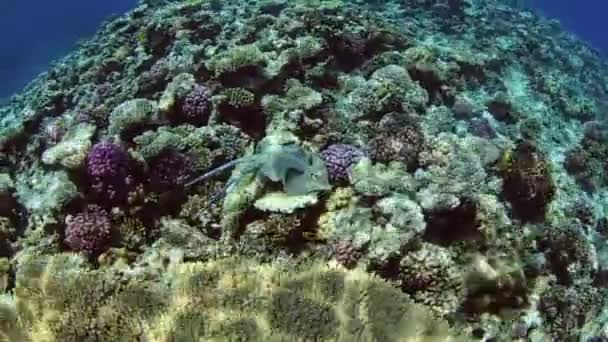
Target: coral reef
(528, 184)
(339, 159)
(108, 167)
(227, 299)
(315, 170)
(89, 231)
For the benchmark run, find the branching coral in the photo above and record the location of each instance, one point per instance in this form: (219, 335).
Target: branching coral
(109, 170)
(432, 277)
(89, 231)
(566, 309)
(339, 159)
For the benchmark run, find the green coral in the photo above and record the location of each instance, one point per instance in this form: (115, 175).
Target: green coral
(381, 230)
(238, 97)
(73, 148)
(131, 113)
(379, 179)
(13, 121)
(301, 97)
(177, 89)
(44, 194)
(59, 298)
(236, 58)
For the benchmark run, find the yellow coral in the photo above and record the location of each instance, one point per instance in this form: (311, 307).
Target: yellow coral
(58, 298)
(238, 97)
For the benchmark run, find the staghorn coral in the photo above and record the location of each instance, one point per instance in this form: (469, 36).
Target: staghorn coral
(132, 232)
(202, 210)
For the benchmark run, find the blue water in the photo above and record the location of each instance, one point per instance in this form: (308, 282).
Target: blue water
(35, 32)
(585, 18)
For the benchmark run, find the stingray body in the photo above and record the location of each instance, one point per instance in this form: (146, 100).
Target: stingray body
(299, 171)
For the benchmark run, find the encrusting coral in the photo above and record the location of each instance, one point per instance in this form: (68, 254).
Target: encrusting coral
(60, 298)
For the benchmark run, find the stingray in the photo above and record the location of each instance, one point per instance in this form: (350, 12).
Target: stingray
(298, 171)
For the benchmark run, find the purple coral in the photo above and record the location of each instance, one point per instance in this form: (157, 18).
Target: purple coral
(108, 168)
(89, 231)
(196, 106)
(170, 169)
(339, 158)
